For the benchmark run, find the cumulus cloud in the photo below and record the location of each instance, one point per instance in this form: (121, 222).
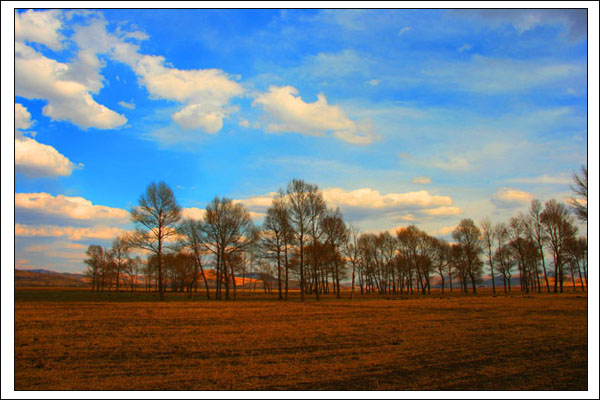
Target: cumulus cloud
(181, 85)
(199, 213)
(196, 116)
(193, 213)
(67, 207)
(40, 27)
(370, 198)
(68, 87)
(370, 203)
(35, 159)
(206, 92)
(511, 198)
(22, 119)
(365, 198)
(423, 180)
(69, 99)
(258, 202)
(72, 233)
(289, 113)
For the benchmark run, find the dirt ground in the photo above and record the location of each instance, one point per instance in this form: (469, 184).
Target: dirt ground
(74, 341)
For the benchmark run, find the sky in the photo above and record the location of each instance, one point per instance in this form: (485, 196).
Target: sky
(401, 117)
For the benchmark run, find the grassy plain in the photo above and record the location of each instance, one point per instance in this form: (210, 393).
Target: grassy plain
(73, 340)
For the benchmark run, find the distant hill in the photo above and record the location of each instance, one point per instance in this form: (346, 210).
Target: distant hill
(44, 277)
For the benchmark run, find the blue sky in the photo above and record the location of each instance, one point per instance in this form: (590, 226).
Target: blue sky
(401, 116)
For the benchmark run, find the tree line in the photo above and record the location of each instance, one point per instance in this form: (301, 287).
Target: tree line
(304, 241)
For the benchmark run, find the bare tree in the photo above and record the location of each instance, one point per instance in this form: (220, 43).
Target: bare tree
(352, 252)
(94, 263)
(408, 245)
(440, 256)
(132, 268)
(298, 195)
(559, 228)
(580, 200)
(488, 236)
(228, 229)
(155, 218)
(335, 231)
(316, 210)
(120, 252)
(517, 231)
(469, 236)
(536, 231)
(505, 261)
(192, 236)
(273, 238)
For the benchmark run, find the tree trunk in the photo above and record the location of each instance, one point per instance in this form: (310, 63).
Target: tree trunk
(279, 273)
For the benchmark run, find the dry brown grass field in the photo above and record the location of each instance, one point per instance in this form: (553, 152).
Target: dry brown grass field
(71, 340)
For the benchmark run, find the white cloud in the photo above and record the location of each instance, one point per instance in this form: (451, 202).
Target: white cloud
(40, 27)
(193, 213)
(124, 104)
(67, 207)
(200, 85)
(352, 19)
(496, 75)
(69, 99)
(290, 113)
(35, 159)
(511, 198)
(442, 211)
(369, 203)
(22, 119)
(72, 233)
(464, 47)
(563, 179)
(206, 91)
(333, 66)
(370, 198)
(446, 230)
(200, 213)
(404, 30)
(407, 217)
(575, 20)
(260, 202)
(257, 216)
(422, 180)
(68, 88)
(195, 116)
(453, 164)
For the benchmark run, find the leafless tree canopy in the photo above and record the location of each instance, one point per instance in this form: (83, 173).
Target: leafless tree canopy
(155, 218)
(580, 189)
(303, 243)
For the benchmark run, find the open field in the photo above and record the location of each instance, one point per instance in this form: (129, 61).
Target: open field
(71, 339)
